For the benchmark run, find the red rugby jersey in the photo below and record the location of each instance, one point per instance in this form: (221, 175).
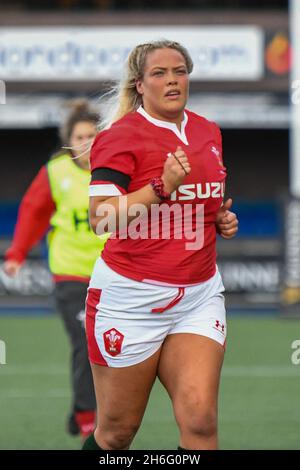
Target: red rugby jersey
(136, 148)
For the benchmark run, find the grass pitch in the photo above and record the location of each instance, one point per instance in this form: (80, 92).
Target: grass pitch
(259, 396)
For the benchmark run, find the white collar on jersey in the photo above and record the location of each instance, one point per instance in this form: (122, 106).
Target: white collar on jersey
(167, 125)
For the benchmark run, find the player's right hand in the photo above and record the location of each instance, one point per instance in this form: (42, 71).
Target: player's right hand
(176, 168)
(11, 268)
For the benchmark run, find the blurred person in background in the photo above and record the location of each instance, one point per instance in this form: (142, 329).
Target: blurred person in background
(58, 197)
(154, 307)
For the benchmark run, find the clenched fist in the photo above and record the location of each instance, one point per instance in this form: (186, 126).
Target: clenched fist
(176, 168)
(226, 221)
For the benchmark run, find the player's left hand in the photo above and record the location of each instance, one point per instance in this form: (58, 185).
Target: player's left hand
(226, 221)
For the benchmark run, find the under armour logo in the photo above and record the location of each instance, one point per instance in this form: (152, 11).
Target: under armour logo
(219, 326)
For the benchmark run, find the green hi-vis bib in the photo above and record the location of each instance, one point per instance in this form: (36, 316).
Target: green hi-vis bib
(73, 246)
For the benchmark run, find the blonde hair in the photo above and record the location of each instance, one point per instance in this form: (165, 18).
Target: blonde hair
(124, 98)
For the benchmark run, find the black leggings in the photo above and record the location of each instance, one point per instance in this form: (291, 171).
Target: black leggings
(70, 301)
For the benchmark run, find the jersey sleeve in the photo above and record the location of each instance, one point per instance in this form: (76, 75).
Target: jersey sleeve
(113, 162)
(34, 215)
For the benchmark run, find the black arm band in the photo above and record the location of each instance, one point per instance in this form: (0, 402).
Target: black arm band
(113, 176)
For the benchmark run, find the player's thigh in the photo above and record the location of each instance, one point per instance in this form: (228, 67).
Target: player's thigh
(122, 392)
(189, 368)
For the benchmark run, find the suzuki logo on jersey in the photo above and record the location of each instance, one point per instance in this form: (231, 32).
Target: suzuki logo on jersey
(187, 192)
(113, 340)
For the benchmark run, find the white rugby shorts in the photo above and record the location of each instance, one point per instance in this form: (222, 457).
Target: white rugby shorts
(127, 321)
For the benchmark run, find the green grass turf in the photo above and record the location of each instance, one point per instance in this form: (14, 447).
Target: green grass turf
(259, 395)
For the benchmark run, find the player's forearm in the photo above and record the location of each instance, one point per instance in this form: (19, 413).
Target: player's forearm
(109, 214)
(30, 229)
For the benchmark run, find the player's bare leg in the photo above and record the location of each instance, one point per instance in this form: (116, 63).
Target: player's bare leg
(190, 367)
(122, 395)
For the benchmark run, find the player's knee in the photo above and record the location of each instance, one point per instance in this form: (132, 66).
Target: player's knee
(201, 420)
(124, 436)
(119, 435)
